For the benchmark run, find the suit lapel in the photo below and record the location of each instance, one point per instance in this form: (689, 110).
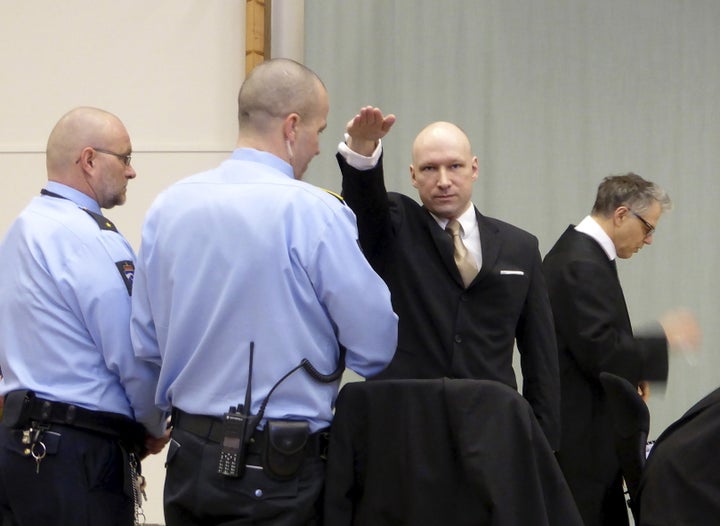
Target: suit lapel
(597, 252)
(613, 268)
(622, 296)
(490, 246)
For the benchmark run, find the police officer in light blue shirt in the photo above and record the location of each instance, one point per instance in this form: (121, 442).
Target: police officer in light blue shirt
(79, 406)
(244, 272)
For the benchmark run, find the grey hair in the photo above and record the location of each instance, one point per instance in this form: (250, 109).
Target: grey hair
(629, 190)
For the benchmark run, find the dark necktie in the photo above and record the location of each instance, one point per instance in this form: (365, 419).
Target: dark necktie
(463, 259)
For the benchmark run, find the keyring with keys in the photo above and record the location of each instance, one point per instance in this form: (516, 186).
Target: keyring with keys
(38, 452)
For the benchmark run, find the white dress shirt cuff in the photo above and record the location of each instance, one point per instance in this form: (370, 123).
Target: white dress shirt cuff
(357, 161)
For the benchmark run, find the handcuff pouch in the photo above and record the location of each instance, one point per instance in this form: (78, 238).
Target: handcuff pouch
(17, 408)
(285, 447)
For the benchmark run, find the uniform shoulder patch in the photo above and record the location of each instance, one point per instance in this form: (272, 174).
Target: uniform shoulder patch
(103, 222)
(335, 195)
(127, 273)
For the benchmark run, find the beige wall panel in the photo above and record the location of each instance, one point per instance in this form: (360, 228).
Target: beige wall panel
(170, 69)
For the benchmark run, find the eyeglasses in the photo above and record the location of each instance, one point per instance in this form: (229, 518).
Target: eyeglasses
(649, 229)
(124, 158)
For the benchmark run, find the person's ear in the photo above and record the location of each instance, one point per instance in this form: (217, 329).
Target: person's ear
(86, 158)
(413, 179)
(290, 126)
(620, 214)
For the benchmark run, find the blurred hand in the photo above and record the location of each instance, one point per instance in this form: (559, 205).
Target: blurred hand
(155, 445)
(367, 128)
(682, 331)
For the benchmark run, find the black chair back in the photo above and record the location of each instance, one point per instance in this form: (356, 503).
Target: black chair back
(631, 424)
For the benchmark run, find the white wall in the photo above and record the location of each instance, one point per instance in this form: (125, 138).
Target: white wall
(170, 69)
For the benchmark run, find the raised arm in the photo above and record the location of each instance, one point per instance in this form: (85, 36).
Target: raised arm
(366, 128)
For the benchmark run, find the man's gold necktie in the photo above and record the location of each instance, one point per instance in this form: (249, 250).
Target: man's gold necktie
(463, 259)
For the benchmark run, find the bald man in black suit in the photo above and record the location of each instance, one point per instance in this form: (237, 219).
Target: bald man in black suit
(447, 327)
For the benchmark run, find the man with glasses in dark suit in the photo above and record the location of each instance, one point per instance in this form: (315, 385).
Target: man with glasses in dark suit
(594, 334)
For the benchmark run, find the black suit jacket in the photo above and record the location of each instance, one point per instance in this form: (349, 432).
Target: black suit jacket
(434, 452)
(444, 329)
(594, 334)
(681, 481)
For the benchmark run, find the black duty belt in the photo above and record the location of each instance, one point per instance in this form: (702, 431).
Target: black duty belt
(36, 409)
(211, 428)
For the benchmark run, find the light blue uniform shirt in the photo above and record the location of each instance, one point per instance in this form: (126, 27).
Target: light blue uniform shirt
(65, 311)
(246, 253)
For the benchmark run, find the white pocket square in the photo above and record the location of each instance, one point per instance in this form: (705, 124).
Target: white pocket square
(512, 273)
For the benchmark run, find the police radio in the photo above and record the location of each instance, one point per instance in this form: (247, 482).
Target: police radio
(239, 424)
(232, 454)
(238, 427)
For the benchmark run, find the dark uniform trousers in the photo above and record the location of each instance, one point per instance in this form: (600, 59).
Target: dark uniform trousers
(196, 494)
(79, 482)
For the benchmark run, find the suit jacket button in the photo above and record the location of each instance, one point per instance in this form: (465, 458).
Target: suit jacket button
(458, 338)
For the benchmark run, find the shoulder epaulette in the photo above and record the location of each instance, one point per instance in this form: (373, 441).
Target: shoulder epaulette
(335, 194)
(103, 222)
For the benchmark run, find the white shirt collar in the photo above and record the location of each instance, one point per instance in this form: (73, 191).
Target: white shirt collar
(467, 220)
(593, 229)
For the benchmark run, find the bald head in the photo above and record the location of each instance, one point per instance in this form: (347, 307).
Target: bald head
(77, 129)
(441, 136)
(89, 150)
(275, 89)
(282, 108)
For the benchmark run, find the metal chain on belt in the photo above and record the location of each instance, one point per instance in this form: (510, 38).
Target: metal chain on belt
(138, 491)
